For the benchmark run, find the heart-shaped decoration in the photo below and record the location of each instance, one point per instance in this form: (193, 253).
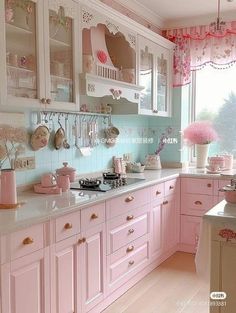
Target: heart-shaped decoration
(102, 56)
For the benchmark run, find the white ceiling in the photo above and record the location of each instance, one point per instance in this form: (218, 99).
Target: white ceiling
(173, 13)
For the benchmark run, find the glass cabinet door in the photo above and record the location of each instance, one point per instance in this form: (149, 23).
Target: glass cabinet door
(61, 47)
(21, 50)
(162, 83)
(146, 71)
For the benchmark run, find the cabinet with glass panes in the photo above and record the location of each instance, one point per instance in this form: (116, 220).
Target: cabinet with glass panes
(40, 44)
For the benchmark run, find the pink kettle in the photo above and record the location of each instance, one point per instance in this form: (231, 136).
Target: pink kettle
(8, 187)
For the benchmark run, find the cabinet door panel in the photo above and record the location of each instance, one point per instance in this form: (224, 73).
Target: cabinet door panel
(64, 276)
(170, 222)
(61, 39)
(93, 281)
(156, 231)
(26, 284)
(23, 51)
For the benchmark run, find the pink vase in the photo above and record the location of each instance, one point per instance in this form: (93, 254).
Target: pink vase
(8, 187)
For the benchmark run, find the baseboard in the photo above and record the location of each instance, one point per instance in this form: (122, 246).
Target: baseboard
(186, 248)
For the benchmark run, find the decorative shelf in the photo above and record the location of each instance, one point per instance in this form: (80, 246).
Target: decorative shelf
(16, 30)
(96, 86)
(57, 43)
(20, 69)
(62, 78)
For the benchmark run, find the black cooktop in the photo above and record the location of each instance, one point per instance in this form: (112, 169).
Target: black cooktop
(108, 182)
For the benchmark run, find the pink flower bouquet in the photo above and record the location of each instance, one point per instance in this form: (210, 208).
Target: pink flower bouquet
(201, 132)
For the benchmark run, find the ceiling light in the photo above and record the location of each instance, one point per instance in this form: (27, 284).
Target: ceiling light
(218, 26)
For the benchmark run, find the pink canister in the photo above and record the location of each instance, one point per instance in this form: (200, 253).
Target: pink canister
(67, 170)
(8, 187)
(63, 181)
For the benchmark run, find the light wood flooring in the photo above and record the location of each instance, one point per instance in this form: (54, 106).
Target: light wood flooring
(173, 287)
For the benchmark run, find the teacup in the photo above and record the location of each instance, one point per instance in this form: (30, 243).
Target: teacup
(48, 180)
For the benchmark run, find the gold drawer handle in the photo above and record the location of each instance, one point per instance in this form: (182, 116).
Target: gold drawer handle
(94, 216)
(209, 185)
(131, 262)
(131, 231)
(82, 240)
(28, 241)
(129, 199)
(68, 226)
(130, 249)
(165, 202)
(129, 217)
(171, 187)
(158, 193)
(198, 202)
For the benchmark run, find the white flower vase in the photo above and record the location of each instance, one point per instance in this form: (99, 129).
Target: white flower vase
(152, 162)
(202, 154)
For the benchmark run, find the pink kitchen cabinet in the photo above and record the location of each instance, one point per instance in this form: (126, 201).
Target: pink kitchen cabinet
(190, 228)
(170, 221)
(93, 264)
(65, 296)
(156, 230)
(26, 284)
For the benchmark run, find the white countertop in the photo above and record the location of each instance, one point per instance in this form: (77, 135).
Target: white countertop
(222, 212)
(41, 208)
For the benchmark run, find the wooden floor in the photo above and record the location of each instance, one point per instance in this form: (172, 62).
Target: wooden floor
(173, 287)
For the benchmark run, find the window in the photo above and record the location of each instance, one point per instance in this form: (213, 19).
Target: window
(214, 98)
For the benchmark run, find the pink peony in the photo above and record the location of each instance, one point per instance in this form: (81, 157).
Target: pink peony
(201, 132)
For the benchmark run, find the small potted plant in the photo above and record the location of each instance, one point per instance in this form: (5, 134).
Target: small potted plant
(152, 161)
(201, 134)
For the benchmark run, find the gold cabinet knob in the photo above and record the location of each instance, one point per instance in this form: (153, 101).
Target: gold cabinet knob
(131, 231)
(198, 202)
(131, 262)
(48, 101)
(165, 202)
(28, 241)
(44, 101)
(81, 240)
(94, 216)
(158, 192)
(171, 187)
(129, 199)
(130, 249)
(68, 226)
(209, 185)
(129, 217)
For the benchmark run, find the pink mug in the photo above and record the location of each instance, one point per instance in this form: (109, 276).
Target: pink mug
(63, 181)
(48, 180)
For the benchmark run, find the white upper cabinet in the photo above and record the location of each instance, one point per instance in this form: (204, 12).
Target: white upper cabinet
(155, 71)
(108, 57)
(39, 48)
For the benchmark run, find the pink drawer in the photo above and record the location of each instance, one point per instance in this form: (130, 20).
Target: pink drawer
(67, 225)
(127, 264)
(26, 241)
(196, 205)
(170, 187)
(197, 186)
(124, 234)
(92, 216)
(157, 192)
(128, 249)
(190, 229)
(127, 202)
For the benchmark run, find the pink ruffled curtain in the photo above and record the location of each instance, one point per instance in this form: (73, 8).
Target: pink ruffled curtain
(198, 46)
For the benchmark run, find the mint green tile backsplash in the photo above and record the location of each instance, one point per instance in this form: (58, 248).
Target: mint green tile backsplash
(133, 129)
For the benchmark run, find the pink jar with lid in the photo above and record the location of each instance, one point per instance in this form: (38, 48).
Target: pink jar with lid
(67, 170)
